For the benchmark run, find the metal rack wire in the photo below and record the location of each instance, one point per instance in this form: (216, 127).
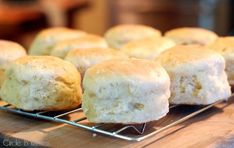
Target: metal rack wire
(138, 131)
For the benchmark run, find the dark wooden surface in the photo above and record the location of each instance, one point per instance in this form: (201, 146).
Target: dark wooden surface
(213, 128)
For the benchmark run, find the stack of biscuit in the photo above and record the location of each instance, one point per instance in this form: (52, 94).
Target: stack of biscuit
(129, 76)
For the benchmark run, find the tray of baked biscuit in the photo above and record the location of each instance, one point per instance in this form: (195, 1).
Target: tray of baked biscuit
(130, 84)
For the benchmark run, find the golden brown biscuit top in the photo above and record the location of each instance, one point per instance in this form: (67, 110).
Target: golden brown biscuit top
(121, 34)
(9, 51)
(187, 54)
(147, 48)
(191, 35)
(95, 52)
(44, 65)
(223, 45)
(85, 38)
(137, 68)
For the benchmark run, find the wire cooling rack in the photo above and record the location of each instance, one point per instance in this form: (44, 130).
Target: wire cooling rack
(177, 115)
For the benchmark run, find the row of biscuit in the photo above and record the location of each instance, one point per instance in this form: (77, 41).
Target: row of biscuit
(129, 76)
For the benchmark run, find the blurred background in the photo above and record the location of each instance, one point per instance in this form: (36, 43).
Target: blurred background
(20, 20)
